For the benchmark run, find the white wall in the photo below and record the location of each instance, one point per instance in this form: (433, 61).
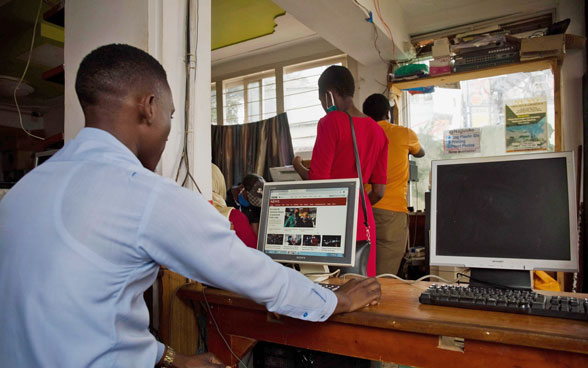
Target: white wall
(90, 24)
(573, 68)
(370, 79)
(313, 48)
(158, 27)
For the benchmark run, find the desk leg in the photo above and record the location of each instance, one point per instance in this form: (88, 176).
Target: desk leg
(238, 344)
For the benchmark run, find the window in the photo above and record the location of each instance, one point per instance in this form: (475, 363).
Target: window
(213, 103)
(249, 99)
(255, 97)
(301, 100)
(476, 103)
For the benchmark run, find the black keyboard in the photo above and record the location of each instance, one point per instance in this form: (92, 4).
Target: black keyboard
(506, 300)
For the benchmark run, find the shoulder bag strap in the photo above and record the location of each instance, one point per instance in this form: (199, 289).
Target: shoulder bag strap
(358, 165)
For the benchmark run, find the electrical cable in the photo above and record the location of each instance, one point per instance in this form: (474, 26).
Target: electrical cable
(390, 275)
(24, 73)
(218, 329)
(379, 13)
(190, 58)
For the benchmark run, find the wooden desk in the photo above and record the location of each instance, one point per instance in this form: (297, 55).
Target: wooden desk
(401, 330)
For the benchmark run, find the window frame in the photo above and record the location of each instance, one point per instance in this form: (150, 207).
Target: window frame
(522, 67)
(278, 72)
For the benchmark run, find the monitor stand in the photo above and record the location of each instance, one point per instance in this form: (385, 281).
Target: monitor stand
(512, 279)
(315, 272)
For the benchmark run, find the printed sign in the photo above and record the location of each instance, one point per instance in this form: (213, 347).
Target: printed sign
(461, 140)
(526, 125)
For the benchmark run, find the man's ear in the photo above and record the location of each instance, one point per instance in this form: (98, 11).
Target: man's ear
(147, 108)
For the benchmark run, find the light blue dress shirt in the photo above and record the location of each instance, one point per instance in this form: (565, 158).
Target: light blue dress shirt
(82, 237)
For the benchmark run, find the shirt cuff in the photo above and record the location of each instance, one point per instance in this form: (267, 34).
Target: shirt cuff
(160, 351)
(322, 314)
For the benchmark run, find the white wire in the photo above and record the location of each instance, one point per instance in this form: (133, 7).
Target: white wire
(390, 275)
(25, 72)
(218, 329)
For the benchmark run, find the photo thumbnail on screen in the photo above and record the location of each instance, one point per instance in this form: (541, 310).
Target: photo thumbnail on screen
(332, 241)
(294, 239)
(312, 240)
(300, 217)
(277, 239)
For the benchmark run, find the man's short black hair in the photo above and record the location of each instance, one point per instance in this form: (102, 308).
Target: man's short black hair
(115, 70)
(376, 106)
(338, 78)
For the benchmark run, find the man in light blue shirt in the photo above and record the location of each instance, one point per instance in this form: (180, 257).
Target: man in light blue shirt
(82, 236)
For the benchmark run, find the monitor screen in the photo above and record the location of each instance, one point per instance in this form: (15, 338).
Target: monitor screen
(310, 221)
(512, 212)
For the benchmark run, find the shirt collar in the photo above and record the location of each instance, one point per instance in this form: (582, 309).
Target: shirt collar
(101, 135)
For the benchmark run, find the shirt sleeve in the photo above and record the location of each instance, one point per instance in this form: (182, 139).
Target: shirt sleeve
(323, 152)
(380, 172)
(414, 146)
(182, 231)
(243, 228)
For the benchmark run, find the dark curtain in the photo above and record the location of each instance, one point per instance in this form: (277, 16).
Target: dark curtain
(251, 148)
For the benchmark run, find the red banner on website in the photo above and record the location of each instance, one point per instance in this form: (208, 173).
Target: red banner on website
(306, 202)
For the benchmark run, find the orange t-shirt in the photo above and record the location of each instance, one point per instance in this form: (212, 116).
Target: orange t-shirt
(401, 142)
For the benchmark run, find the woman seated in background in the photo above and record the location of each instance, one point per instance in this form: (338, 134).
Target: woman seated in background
(239, 221)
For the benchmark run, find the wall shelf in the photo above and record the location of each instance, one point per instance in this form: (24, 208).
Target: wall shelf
(521, 67)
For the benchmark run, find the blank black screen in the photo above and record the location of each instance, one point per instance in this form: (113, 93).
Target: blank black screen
(507, 209)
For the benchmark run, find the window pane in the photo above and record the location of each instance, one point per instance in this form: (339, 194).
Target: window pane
(254, 87)
(234, 104)
(478, 103)
(302, 105)
(253, 101)
(269, 97)
(213, 103)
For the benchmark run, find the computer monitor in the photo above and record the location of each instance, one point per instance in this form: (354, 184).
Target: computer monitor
(511, 213)
(284, 173)
(310, 223)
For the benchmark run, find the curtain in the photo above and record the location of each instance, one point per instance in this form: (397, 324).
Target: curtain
(251, 148)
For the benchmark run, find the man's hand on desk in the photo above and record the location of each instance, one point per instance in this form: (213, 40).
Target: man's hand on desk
(206, 360)
(356, 294)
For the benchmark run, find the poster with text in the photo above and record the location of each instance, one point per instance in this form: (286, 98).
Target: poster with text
(526, 125)
(461, 140)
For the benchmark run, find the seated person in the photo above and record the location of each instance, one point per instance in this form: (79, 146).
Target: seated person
(82, 236)
(238, 220)
(248, 198)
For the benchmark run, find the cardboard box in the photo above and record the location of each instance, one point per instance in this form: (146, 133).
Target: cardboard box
(441, 48)
(542, 47)
(440, 66)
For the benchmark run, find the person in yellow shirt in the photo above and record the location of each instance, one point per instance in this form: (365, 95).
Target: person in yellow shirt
(391, 212)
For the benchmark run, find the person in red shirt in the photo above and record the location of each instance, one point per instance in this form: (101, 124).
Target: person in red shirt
(333, 155)
(238, 220)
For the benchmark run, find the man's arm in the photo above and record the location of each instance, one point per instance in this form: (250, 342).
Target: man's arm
(376, 193)
(300, 168)
(420, 153)
(183, 232)
(414, 146)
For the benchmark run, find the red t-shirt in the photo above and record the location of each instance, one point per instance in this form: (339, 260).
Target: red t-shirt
(243, 228)
(333, 158)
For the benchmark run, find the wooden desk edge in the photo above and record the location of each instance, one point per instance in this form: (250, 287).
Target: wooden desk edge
(466, 331)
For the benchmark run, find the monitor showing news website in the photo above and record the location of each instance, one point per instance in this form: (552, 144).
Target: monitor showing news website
(311, 221)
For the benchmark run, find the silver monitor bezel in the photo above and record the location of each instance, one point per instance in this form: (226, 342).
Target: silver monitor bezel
(349, 252)
(570, 265)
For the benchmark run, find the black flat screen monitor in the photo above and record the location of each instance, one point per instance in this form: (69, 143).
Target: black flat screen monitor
(515, 212)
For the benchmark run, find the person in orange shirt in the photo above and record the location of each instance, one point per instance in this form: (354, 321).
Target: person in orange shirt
(391, 212)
